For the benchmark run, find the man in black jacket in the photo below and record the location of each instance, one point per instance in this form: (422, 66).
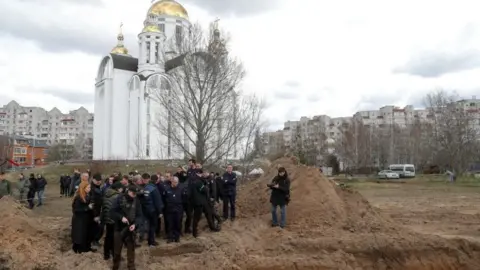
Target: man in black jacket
(212, 198)
(126, 212)
(229, 192)
(96, 196)
(188, 205)
(109, 198)
(200, 195)
(219, 185)
(174, 198)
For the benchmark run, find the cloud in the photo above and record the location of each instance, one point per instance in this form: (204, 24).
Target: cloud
(365, 58)
(235, 7)
(60, 32)
(313, 97)
(434, 64)
(70, 96)
(83, 2)
(292, 84)
(285, 94)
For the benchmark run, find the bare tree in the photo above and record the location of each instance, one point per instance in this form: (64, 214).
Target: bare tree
(205, 114)
(5, 149)
(83, 147)
(62, 152)
(455, 131)
(251, 142)
(139, 148)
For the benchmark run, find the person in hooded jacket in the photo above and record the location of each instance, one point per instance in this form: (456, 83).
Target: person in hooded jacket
(32, 189)
(82, 219)
(280, 196)
(41, 185)
(108, 199)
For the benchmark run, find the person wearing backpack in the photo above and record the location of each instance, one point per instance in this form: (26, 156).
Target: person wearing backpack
(280, 197)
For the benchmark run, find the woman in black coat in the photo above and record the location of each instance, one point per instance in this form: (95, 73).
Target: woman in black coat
(82, 219)
(280, 196)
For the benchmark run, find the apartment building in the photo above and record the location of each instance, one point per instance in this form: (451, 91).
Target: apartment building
(331, 127)
(53, 127)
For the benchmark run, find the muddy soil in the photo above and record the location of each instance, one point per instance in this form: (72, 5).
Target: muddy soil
(329, 227)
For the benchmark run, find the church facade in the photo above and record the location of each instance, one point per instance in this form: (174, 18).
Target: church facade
(125, 114)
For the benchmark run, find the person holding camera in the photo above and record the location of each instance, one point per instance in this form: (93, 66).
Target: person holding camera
(280, 197)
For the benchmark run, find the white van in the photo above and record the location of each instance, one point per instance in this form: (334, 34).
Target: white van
(403, 170)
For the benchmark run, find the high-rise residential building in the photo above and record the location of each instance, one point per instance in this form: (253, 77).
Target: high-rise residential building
(52, 127)
(330, 128)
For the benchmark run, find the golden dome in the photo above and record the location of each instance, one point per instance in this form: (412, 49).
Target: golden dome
(151, 28)
(120, 50)
(168, 7)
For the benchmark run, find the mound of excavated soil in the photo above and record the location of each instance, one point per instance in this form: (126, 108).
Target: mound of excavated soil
(328, 227)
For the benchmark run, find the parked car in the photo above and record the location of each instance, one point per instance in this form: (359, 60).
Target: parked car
(388, 174)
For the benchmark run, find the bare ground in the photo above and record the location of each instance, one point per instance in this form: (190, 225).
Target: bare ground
(405, 227)
(447, 210)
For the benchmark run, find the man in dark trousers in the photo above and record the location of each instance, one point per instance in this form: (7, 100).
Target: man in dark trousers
(199, 195)
(109, 198)
(126, 212)
(229, 192)
(175, 195)
(96, 196)
(188, 205)
(212, 198)
(219, 185)
(152, 206)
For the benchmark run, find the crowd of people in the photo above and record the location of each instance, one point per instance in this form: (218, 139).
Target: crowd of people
(128, 210)
(131, 209)
(27, 188)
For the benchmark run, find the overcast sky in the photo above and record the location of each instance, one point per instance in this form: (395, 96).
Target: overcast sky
(306, 57)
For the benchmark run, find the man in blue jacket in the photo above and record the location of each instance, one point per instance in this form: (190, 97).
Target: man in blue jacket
(229, 192)
(152, 206)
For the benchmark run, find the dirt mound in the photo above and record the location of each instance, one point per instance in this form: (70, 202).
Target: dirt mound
(23, 239)
(328, 227)
(316, 202)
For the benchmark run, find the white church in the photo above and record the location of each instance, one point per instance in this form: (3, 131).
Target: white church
(124, 110)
